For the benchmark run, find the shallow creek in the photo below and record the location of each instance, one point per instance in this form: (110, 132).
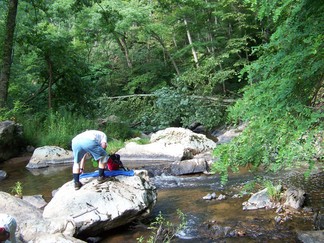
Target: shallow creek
(207, 221)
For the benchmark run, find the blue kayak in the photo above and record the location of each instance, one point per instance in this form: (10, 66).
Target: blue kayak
(108, 173)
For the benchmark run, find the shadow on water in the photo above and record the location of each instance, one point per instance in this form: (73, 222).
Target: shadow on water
(207, 221)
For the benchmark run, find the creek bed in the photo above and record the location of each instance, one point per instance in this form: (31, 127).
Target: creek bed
(208, 220)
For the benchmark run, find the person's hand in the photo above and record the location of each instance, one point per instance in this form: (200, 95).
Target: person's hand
(104, 145)
(81, 170)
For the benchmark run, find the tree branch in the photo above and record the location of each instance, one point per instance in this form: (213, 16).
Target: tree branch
(152, 95)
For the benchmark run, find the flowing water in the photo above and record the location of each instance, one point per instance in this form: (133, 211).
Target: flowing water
(207, 221)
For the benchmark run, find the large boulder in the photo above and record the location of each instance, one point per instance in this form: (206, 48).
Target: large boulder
(99, 207)
(10, 139)
(199, 164)
(193, 142)
(138, 154)
(295, 198)
(49, 155)
(169, 145)
(191, 166)
(54, 238)
(30, 221)
(83, 213)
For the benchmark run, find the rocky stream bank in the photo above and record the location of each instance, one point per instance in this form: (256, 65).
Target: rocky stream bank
(172, 172)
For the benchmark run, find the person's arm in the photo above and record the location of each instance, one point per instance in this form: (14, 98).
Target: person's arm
(103, 141)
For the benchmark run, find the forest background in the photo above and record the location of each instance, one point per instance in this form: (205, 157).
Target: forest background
(147, 65)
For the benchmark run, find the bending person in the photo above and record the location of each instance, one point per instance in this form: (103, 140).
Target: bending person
(91, 142)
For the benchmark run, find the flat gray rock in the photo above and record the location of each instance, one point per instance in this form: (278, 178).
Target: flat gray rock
(49, 155)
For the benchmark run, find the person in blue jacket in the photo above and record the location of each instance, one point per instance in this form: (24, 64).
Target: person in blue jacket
(91, 142)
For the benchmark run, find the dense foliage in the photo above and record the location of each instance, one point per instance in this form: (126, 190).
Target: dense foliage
(147, 65)
(70, 53)
(283, 103)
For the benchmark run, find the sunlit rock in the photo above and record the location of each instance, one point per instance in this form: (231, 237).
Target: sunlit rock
(37, 200)
(49, 155)
(30, 221)
(191, 166)
(99, 207)
(140, 153)
(169, 145)
(193, 142)
(258, 200)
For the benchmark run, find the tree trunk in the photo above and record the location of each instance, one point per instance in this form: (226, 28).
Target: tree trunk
(121, 41)
(7, 51)
(194, 53)
(122, 44)
(50, 80)
(159, 39)
(223, 82)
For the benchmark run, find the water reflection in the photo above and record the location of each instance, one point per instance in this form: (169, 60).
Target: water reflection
(42, 181)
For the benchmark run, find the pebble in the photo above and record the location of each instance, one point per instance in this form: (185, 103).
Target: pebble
(279, 209)
(210, 196)
(221, 197)
(207, 197)
(277, 219)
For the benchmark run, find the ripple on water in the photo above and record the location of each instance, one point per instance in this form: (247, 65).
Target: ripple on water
(169, 181)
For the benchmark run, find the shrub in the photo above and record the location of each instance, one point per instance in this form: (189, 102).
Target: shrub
(164, 230)
(274, 192)
(54, 128)
(17, 190)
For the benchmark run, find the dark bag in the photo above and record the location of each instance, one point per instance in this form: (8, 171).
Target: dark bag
(114, 162)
